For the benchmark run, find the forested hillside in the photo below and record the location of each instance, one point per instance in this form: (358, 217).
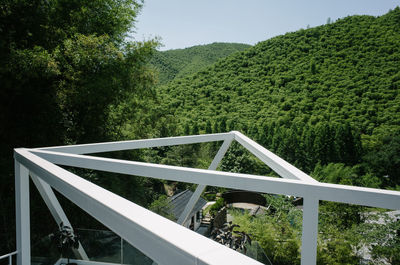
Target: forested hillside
(65, 67)
(321, 95)
(180, 62)
(326, 99)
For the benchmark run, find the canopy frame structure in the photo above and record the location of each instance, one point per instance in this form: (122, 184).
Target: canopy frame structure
(160, 239)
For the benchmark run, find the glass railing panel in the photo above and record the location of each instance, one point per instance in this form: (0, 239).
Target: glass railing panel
(255, 251)
(132, 255)
(106, 246)
(44, 252)
(101, 245)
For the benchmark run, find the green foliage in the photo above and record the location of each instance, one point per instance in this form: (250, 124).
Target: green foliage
(210, 196)
(86, 91)
(313, 96)
(382, 236)
(66, 73)
(217, 206)
(279, 230)
(384, 159)
(275, 234)
(178, 63)
(326, 99)
(337, 246)
(341, 174)
(162, 207)
(343, 216)
(238, 160)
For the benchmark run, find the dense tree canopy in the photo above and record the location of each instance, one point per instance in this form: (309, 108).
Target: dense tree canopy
(64, 66)
(177, 63)
(355, 78)
(325, 99)
(328, 94)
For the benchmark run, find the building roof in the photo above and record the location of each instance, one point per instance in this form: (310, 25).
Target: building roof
(179, 201)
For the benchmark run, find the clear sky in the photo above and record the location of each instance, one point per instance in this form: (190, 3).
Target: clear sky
(185, 23)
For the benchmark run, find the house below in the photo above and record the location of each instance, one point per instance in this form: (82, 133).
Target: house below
(178, 203)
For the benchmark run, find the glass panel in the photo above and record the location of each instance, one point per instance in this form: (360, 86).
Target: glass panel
(101, 245)
(106, 246)
(44, 252)
(132, 256)
(255, 251)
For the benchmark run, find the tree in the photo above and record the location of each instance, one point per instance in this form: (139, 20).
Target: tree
(162, 207)
(215, 127)
(323, 143)
(278, 234)
(343, 215)
(384, 159)
(222, 125)
(382, 236)
(63, 66)
(208, 127)
(195, 129)
(186, 129)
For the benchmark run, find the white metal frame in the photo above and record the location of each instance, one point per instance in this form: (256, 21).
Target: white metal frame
(160, 239)
(9, 257)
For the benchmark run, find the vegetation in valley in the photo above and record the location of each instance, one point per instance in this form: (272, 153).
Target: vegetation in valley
(328, 94)
(325, 99)
(178, 63)
(66, 76)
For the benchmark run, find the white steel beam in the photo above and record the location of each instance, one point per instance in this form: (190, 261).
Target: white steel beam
(200, 188)
(137, 144)
(160, 239)
(56, 210)
(323, 191)
(280, 166)
(310, 231)
(22, 214)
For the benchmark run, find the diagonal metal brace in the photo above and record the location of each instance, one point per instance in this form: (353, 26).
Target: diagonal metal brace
(56, 210)
(200, 188)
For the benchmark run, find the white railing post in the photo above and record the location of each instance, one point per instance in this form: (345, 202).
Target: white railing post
(22, 214)
(122, 251)
(310, 231)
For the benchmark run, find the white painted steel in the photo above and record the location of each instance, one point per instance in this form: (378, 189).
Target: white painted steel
(56, 210)
(8, 255)
(323, 191)
(137, 144)
(159, 238)
(280, 166)
(86, 262)
(23, 235)
(310, 231)
(200, 188)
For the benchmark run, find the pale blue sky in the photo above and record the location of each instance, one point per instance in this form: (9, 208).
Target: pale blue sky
(185, 23)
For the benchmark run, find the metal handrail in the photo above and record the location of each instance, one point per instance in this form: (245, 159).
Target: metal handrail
(9, 256)
(158, 238)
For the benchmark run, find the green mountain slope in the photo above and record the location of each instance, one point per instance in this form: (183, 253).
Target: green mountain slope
(303, 94)
(348, 70)
(180, 62)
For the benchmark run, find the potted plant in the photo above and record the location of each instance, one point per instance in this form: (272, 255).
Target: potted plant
(65, 239)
